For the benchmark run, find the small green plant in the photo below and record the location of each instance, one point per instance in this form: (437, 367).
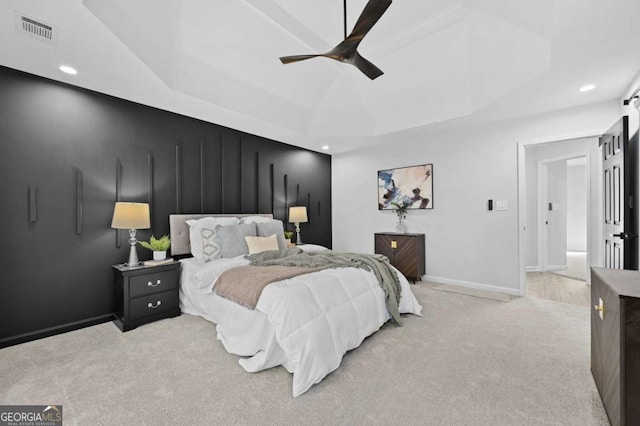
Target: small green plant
(401, 211)
(288, 234)
(157, 244)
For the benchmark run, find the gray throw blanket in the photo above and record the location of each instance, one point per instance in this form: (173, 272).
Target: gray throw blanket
(376, 263)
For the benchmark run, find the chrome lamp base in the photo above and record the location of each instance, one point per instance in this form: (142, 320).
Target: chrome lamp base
(298, 239)
(133, 254)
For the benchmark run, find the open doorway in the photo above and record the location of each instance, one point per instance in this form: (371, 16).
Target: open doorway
(561, 223)
(563, 230)
(576, 214)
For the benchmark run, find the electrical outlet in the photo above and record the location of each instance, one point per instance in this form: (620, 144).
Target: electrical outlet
(501, 205)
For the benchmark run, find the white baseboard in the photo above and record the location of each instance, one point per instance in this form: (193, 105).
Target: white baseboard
(469, 284)
(556, 267)
(549, 268)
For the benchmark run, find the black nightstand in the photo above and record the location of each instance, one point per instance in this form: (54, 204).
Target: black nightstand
(145, 294)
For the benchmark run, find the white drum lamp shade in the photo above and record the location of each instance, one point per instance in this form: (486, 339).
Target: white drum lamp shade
(298, 215)
(131, 216)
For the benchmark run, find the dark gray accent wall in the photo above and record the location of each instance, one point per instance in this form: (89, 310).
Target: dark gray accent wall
(67, 154)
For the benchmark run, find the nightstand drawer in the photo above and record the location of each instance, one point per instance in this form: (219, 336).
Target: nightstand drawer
(145, 294)
(153, 283)
(153, 304)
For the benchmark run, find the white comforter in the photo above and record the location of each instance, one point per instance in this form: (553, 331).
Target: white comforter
(306, 324)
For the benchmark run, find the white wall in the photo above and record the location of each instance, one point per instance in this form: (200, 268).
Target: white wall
(576, 207)
(465, 244)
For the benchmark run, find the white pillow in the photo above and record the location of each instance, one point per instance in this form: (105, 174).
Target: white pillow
(256, 219)
(206, 224)
(260, 244)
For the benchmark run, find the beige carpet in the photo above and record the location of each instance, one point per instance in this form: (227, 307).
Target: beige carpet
(468, 361)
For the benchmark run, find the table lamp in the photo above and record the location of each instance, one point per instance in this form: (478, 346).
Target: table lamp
(131, 216)
(298, 215)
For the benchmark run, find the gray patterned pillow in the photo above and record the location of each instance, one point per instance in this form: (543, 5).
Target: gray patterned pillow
(195, 236)
(231, 239)
(211, 249)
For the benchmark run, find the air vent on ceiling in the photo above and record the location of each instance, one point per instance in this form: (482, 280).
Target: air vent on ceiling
(35, 28)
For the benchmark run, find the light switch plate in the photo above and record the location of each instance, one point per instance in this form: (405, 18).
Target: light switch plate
(502, 205)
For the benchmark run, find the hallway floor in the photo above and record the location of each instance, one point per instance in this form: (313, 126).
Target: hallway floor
(567, 286)
(551, 286)
(576, 266)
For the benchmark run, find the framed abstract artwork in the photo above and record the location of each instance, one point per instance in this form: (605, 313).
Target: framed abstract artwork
(411, 187)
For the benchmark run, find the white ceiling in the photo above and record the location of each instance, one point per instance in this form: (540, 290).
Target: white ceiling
(444, 61)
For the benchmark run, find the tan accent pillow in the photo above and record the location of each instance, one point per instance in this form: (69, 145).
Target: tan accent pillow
(260, 244)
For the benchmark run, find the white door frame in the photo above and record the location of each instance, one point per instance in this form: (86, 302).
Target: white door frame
(522, 202)
(543, 195)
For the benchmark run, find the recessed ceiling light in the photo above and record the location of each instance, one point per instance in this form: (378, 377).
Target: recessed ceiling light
(325, 147)
(68, 70)
(587, 87)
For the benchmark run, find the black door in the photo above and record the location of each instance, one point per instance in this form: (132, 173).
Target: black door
(620, 171)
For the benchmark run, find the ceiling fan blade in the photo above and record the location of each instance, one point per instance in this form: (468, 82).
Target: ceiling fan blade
(296, 58)
(366, 67)
(371, 13)
(346, 50)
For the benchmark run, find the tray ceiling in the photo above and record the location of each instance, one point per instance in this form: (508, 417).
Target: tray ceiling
(444, 62)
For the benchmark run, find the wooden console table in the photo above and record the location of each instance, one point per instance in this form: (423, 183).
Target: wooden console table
(405, 251)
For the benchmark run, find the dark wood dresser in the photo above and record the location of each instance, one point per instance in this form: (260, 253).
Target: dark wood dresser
(405, 251)
(615, 342)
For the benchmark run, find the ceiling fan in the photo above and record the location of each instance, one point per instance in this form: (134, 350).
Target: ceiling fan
(347, 51)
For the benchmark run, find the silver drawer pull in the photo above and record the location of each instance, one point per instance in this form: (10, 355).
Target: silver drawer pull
(150, 305)
(150, 284)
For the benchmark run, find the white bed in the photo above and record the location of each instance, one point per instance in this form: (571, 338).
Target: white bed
(305, 324)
